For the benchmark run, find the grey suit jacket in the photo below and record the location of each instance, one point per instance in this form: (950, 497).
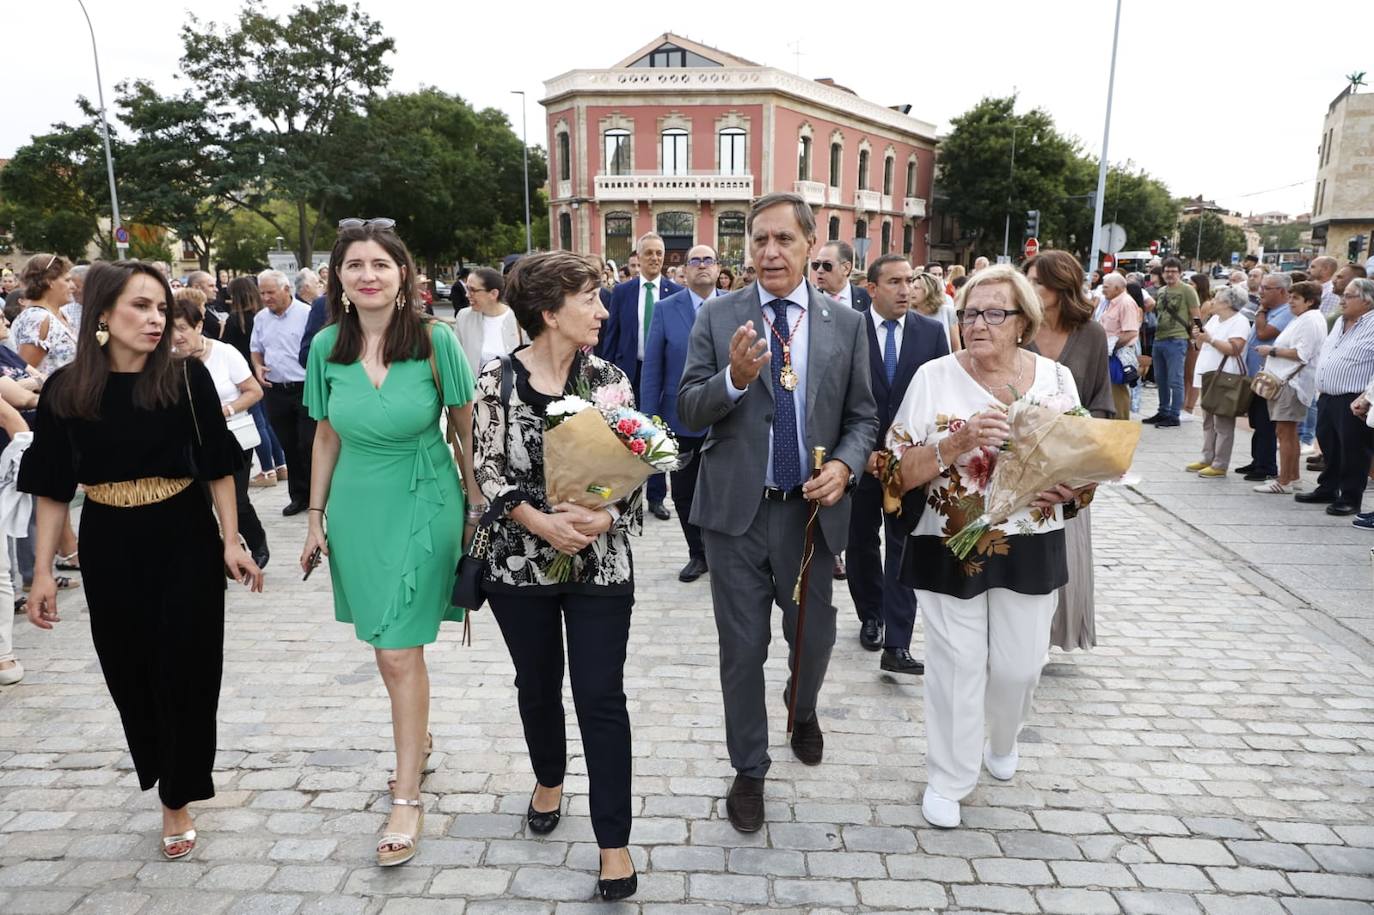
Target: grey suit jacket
(841, 412)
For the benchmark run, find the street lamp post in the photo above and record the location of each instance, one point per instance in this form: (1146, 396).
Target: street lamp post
(1102, 163)
(105, 132)
(525, 151)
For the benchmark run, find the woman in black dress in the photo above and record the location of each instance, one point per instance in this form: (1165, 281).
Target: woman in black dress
(136, 428)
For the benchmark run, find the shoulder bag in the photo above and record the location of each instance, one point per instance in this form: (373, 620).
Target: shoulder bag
(1226, 393)
(1268, 385)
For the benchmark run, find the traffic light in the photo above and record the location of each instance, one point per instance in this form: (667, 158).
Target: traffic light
(1032, 223)
(1354, 248)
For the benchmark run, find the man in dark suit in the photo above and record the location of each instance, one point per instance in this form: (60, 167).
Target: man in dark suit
(625, 331)
(830, 270)
(665, 354)
(900, 341)
(753, 492)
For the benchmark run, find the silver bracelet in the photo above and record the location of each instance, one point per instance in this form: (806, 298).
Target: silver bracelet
(940, 465)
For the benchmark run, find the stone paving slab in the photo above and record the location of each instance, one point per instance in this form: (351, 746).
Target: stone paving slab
(1214, 754)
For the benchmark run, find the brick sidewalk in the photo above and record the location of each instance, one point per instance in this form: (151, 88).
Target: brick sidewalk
(1214, 755)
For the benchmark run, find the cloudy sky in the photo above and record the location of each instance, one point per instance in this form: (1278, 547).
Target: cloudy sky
(1219, 97)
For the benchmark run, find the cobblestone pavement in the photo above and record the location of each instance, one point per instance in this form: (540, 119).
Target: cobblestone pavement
(1214, 754)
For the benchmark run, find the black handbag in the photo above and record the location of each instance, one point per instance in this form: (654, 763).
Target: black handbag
(472, 565)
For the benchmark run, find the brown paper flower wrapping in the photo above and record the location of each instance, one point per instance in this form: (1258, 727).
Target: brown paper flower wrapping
(587, 464)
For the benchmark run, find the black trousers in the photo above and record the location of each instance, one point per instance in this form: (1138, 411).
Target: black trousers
(158, 629)
(873, 579)
(598, 629)
(1264, 443)
(684, 483)
(1348, 446)
(249, 525)
(295, 430)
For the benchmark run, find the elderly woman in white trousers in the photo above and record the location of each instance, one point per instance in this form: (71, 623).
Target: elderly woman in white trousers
(987, 618)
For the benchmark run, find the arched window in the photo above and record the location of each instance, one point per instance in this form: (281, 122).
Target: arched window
(730, 143)
(863, 169)
(804, 159)
(907, 237)
(887, 235)
(565, 231)
(617, 144)
(619, 236)
(861, 244)
(674, 146)
(889, 166)
(564, 159)
(834, 233)
(911, 178)
(730, 237)
(836, 159)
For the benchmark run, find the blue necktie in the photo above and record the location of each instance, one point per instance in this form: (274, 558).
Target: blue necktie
(890, 350)
(787, 473)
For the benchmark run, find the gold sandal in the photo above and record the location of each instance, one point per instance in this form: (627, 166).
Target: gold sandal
(424, 763)
(408, 843)
(189, 836)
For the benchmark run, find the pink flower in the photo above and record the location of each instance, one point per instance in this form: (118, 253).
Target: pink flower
(627, 426)
(955, 425)
(610, 397)
(637, 444)
(977, 468)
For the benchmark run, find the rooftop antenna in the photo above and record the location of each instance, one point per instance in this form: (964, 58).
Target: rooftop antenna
(797, 56)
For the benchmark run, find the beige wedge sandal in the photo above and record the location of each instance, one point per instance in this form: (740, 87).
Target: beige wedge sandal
(409, 844)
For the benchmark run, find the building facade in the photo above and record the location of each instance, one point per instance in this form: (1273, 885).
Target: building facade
(679, 137)
(1343, 200)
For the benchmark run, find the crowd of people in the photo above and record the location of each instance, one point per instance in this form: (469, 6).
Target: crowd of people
(792, 386)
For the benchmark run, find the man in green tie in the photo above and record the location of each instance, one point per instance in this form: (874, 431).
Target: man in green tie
(623, 334)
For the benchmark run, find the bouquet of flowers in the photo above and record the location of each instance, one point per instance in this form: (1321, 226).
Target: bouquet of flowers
(1049, 444)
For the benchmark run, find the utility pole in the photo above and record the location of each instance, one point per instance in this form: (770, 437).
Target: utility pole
(1011, 182)
(525, 152)
(121, 249)
(1102, 163)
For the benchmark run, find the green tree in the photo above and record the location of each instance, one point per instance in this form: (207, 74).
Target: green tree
(1139, 203)
(178, 165)
(244, 241)
(983, 189)
(55, 191)
(1218, 239)
(285, 87)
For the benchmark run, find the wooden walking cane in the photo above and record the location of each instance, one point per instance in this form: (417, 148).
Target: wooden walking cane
(799, 591)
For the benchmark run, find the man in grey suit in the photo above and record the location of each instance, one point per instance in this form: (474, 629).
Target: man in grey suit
(753, 494)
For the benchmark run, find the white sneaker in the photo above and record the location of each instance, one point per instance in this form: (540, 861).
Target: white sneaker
(1185, 417)
(1001, 768)
(1275, 487)
(11, 675)
(939, 811)
(1308, 450)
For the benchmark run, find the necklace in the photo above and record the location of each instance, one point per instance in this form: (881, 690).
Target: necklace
(1014, 387)
(788, 378)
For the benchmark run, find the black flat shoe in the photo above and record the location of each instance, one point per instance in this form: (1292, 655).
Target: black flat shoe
(1258, 476)
(618, 888)
(659, 511)
(900, 661)
(1341, 508)
(294, 508)
(744, 803)
(260, 556)
(694, 569)
(1244, 469)
(1315, 497)
(808, 743)
(871, 634)
(543, 823)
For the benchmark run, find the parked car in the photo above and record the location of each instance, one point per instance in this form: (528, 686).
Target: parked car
(443, 290)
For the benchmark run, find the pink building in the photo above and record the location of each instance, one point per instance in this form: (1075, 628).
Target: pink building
(679, 137)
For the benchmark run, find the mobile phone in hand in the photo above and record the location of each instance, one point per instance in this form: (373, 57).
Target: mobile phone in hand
(312, 563)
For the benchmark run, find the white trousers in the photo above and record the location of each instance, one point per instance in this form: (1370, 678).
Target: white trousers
(6, 604)
(983, 661)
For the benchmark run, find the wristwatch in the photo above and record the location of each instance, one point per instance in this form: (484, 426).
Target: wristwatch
(851, 483)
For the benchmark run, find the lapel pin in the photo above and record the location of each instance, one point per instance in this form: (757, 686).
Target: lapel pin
(825, 313)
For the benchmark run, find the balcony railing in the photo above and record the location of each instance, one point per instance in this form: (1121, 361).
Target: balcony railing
(914, 207)
(867, 201)
(653, 186)
(813, 192)
(834, 196)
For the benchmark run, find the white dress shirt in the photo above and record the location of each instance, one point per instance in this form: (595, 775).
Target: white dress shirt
(880, 332)
(657, 283)
(844, 296)
(797, 344)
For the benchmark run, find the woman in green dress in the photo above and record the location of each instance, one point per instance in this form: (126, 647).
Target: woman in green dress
(386, 506)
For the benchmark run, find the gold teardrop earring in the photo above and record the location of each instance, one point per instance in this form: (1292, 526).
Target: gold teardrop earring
(400, 301)
(102, 333)
(343, 297)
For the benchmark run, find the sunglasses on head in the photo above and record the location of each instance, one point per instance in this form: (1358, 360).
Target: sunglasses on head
(827, 266)
(354, 222)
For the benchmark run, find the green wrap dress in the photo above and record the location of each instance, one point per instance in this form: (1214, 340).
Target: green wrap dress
(395, 511)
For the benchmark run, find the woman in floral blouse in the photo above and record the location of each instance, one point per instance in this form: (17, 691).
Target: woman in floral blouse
(556, 298)
(987, 617)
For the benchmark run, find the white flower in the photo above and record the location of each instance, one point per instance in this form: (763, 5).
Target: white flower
(567, 406)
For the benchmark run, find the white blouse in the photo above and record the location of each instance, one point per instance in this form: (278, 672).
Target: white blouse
(1306, 333)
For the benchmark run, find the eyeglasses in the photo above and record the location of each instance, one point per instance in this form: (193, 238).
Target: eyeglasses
(993, 316)
(354, 222)
(827, 266)
(701, 261)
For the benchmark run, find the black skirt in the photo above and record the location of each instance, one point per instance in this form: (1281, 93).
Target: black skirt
(154, 581)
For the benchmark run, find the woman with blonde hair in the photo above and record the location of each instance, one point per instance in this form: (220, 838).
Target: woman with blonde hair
(929, 299)
(955, 272)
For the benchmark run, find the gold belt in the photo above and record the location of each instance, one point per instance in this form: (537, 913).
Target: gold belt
(136, 493)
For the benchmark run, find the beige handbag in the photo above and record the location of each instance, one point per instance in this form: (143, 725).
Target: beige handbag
(1268, 385)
